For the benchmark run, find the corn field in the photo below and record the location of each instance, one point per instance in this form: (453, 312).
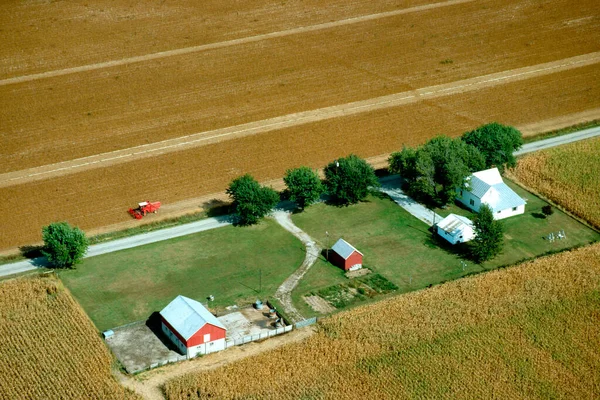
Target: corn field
(49, 347)
(530, 331)
(568, 175)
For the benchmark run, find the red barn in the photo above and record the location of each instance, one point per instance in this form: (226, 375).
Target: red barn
(345, 256)
(192, 328)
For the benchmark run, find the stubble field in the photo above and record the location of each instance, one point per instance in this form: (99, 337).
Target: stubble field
(524, 332)
(50, 349)
(72, 114)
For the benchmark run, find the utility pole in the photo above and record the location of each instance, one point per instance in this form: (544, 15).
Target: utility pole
(327, 249)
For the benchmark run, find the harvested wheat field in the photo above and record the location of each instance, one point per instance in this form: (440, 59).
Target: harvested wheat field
(49, 348)
(529, 331)
(568, 175)
(179, 99)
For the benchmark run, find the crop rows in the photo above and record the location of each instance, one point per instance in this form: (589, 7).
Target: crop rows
(527, 331)
(100, 197)
(49, 347)
(567, 175)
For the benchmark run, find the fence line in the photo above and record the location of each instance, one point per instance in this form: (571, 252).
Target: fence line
(258, 336)
(236, 342)
(305, 322)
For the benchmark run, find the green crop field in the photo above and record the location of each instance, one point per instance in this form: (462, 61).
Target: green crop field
(229, 263)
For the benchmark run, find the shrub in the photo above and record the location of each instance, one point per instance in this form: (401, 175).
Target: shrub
(547, 209)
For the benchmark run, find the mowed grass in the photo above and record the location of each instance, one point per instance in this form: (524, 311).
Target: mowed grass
(525, 235)
(50, 349)
(529, 331)
(568, 175)
(129, 285)
(400, 247)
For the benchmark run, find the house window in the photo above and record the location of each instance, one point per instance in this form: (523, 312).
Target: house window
(514, 208)
(472, 202)
(498, 212)
(207, 338)
(461, 192)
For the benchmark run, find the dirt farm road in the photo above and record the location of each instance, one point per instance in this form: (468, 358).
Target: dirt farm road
(216, 222)
(284, 292)
(291, 120)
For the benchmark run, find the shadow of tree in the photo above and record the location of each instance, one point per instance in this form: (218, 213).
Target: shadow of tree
(462, 250)
(31, 251)
(216, 207)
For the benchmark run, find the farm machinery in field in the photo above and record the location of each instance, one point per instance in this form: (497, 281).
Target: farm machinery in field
(144, 208)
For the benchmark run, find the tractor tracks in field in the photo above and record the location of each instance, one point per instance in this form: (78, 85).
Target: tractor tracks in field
(227, 43)
(292, 120)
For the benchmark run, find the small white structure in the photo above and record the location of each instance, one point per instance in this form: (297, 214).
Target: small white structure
(456, 229)
(192, 328)
(487, 187)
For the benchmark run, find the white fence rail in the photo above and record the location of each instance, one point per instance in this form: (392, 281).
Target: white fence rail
(259, 336)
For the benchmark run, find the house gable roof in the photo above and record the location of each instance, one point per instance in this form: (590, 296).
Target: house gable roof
(344, 249)
(482, 182)
(187, 316)
(454, 224)
(490, 176)
(507, 198)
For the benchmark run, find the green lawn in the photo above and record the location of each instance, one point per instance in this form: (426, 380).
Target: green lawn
(524, 234)
(130, 285)
(399, 247)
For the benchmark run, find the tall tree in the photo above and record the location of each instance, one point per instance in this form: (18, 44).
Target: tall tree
(304, 185)
(251, 202)
(64, 245)
(489, 235)
(497, 143)
(348, 179)
(434, 170)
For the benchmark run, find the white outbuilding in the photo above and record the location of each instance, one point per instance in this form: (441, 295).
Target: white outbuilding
(487, 187)
(456, 229)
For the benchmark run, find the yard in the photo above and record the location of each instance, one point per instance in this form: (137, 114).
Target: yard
(400, 247)
(233, 264)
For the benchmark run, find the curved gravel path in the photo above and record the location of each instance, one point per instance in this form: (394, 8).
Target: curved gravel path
(284, 292)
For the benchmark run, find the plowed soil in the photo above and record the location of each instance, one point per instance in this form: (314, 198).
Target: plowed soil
(48, 120)
(99, 111)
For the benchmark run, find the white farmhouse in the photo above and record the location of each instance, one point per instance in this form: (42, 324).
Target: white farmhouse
(456, 229)
(487, 187)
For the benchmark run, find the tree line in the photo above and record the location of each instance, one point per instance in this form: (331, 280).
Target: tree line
(431, 173)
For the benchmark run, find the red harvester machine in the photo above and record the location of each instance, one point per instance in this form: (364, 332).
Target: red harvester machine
(144, 208)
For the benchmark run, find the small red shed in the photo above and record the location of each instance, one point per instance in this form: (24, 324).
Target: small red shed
(345, 256)
(192, 328)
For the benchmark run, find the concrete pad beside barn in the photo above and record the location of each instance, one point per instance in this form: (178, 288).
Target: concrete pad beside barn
(246, 322)
(139, 347)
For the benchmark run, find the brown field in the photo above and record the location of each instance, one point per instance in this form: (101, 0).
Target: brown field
(109, 107)
(524, 332)
(49, 347)
(37, 36)
(568, 175)
(108, 192)
(76, 115)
